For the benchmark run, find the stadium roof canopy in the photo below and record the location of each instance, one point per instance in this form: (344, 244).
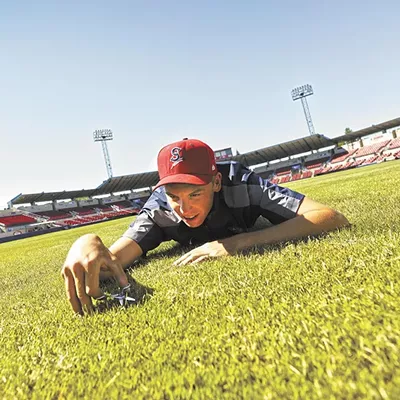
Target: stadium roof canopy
(266, 154)
(112, 185)
(51, 196)
(393, 123)
(284, 150)
(128, 182)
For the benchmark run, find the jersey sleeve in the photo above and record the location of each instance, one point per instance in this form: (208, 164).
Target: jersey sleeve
(276, 203)
(145, 232)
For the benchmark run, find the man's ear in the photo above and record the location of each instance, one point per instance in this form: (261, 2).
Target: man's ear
(217, 182)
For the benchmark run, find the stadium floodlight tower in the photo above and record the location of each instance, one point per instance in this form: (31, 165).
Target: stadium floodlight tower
(102, 135)
(302, 92)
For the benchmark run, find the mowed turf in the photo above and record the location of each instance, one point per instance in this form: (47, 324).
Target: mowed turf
(318, 318)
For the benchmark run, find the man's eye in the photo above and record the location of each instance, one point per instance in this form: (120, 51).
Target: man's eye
(195, 195)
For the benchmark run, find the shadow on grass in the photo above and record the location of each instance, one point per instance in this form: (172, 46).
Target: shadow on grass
(175, 251)
(178, 250)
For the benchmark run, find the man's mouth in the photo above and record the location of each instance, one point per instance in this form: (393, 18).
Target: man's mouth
(191, 218)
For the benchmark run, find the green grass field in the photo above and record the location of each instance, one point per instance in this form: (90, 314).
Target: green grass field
(318, 318)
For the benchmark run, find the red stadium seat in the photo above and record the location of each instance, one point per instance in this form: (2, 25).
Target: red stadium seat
(394, 144)
(337, 158)
(371, 149)
(15, 220)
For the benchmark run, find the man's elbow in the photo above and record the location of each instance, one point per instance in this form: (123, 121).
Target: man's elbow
(336, 219)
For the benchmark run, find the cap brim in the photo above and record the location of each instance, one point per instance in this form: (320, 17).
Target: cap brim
(188, 179)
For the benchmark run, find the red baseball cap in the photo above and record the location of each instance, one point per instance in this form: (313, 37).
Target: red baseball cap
(188, 161)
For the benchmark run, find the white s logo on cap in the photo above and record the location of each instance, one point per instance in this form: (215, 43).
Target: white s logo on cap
(176, 156)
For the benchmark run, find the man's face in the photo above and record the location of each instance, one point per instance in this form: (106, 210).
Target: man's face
(193, 202)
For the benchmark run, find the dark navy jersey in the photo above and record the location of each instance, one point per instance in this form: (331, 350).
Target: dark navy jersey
(243, 198)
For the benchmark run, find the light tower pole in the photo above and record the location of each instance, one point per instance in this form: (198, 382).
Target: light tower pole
(102, 135)
(302, 92)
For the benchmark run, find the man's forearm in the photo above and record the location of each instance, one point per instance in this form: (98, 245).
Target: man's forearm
(311, 223)
(126, 251)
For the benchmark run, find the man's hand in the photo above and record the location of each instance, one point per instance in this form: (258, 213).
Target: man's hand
(88, 260)
(217, 248)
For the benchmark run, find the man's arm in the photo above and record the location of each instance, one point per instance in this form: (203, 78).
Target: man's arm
(312, 219)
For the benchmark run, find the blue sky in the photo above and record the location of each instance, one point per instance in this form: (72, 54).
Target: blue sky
(157, 71)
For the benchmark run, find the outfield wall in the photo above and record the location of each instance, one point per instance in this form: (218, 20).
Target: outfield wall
(10, 238)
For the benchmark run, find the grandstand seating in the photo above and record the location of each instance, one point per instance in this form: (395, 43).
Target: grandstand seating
(383, 157)
(123, 204)
(53, 215)
(104, 207)
(71, 222)
(394, 144)
(284, 179)
(82, 215)
(15, 220)
(335, 167)
(371, 149)
(85, 212)
(88, 219)
(80, 210)
(322, 170)
(91, 218)
(315, 163)
(296, 177)
(337, 158)
(77, 216)
(282, 171)
(369, 160)
(124, 212)
(390, 155)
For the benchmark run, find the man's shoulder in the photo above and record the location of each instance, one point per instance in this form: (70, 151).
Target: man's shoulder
(158, 210)
(233, 172)
(157, 200)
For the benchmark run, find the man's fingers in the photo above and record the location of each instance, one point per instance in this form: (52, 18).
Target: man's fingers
(71, 292)
(80, 287)
(92, 279)
(186, 259)
(183, 258)
(199, 260)
(118, 272)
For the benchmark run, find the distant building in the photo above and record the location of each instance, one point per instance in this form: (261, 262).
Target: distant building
(224, 154)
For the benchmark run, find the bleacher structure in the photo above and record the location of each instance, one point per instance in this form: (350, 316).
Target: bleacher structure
(337, 159)
(37, 219)
(303, 158)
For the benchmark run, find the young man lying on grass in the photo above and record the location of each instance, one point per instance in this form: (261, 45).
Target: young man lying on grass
(196, 202)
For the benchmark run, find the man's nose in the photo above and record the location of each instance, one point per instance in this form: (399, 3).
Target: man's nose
(184, 206)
